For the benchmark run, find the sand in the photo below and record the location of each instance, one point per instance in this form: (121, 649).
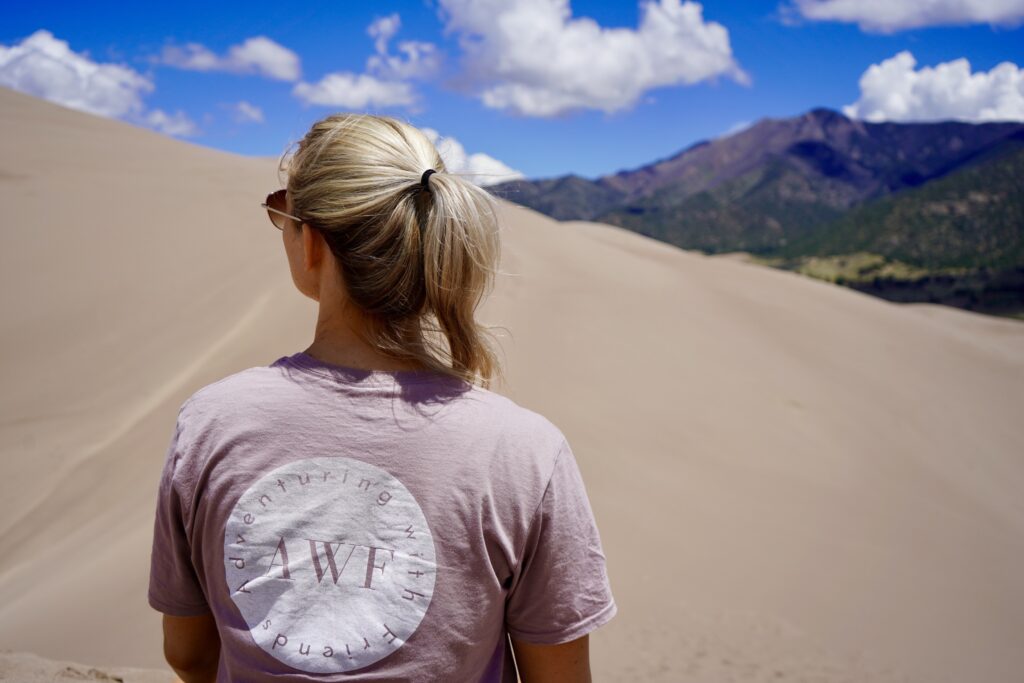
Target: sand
(794, 481)
(25, 667)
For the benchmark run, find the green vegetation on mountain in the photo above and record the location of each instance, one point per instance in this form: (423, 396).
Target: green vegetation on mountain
(971, 218)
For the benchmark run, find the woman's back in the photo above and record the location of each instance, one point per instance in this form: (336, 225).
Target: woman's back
(315, 519)
(391, 525)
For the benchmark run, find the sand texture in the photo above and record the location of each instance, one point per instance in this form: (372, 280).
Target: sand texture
(25, 667)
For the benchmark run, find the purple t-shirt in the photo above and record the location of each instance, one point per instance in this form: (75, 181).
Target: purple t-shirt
(344, 524)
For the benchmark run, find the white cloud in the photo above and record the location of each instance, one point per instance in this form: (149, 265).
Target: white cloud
(383, 29)
(893, 15)
(386, 81)
(894, 91)
(356, 91)
(418, 60)
(532, 57)
(178, 124)
(246, 112)
(258, 55)
(480, 168)
(45, 66)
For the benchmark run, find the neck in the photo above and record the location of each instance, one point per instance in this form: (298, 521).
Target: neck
(337, 343)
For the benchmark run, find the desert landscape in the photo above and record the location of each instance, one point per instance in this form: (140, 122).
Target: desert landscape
(794, 481)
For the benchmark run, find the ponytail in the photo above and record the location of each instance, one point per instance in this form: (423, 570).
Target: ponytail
(417, 257)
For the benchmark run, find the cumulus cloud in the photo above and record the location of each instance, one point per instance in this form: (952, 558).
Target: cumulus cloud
(479, 168)
(894, 90)
(886, 16)
(357, 91)
(246, 112)
(258, 55)
(383, 29)
(417, 59)
(178, 123)
(386, 82)
(45, 66)
(533, 58)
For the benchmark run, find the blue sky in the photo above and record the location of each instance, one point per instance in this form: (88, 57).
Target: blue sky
(569, 104)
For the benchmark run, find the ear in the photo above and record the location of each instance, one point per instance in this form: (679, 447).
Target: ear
(312, 247)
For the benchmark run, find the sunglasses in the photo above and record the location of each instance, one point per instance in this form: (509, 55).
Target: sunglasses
(275, 205)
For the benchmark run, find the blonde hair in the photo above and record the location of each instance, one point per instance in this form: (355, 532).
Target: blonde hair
(417, 261)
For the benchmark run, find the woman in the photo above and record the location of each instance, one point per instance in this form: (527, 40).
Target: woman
(368, 509)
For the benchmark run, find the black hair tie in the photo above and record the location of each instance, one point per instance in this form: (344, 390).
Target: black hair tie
(426, 177)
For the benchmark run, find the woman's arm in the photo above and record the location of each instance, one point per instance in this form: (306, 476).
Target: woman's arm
(562, 663)
(192, 647)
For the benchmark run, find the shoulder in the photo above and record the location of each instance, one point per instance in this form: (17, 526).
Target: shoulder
(518, 417)
(218, 412)
(523, 435)
(234, 395)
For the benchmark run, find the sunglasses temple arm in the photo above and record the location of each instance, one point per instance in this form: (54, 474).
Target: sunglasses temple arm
(268, 208)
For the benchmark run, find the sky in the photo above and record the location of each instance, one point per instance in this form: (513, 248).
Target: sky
(517, 88)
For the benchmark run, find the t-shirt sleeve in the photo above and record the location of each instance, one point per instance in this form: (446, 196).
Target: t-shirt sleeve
(560, 590)
(174, 587)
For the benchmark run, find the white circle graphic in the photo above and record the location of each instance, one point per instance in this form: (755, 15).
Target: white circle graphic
(331, 563)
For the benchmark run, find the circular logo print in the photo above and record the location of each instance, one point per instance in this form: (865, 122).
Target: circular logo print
(331, 563)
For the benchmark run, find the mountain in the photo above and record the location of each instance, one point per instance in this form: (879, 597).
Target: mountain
(817, 185)
(564, 198)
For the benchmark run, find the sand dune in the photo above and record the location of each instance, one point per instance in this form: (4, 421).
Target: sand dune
(794, 481)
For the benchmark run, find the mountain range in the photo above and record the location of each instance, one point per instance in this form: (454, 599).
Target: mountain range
(913, 204)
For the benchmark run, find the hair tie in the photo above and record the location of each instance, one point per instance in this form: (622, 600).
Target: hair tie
(426, 177)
